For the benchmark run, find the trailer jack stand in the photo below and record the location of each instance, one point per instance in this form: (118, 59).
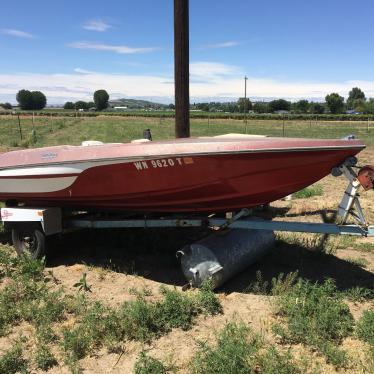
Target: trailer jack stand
(350, 205)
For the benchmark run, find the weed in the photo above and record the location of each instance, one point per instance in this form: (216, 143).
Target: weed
(357, 294)
(239, 350)
(27, 267)
(365, 247)
(141, 320)
(365, 327)
(361, 262)
(279, 285)
(308, 192)
(316, 315)
(76, 344)
(313, 243)
(149, 365)
(44, 358)
(82, 285)
(25, 143)
(144, 292)
(48, 308)
(283, 283)
(14, 143)
(207, 299)
(45, 334)
(76, 305)
(177, 309)
(275, 362)
(259, 286)
(22, 266)
(334, 355)
(97, 326)
(231, 355)
(316, 311)
(6, 263)
(346, 241)
(12, 361)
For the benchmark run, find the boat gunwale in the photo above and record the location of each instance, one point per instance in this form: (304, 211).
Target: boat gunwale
(128, 159)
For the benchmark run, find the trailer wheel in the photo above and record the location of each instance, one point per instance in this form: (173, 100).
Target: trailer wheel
(29, 239)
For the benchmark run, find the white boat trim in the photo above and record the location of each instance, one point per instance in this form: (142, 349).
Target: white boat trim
(35, 185)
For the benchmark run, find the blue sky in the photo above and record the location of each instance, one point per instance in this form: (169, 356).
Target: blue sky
(292, 49)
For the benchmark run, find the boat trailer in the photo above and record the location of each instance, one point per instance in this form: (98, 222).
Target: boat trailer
(236, 242)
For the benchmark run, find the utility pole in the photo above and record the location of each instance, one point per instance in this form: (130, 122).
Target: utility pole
(181, 69)
(245, 103)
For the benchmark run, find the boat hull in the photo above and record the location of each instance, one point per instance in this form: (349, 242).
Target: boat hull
(220, 180)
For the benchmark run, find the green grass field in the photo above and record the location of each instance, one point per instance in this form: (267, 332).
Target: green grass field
(67, 130)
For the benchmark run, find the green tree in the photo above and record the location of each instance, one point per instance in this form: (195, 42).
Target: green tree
(69, 105)
(24, 98)
(28, 100)
(369, 106)
(101, 99)
(91, 104)
(359, 105)
(261, 107)
(203, 106)
(317, 108)
(335, 103)
(244, 104)
(39, 101)
(81, 105)
(6, 106)
(301, 106)
(356, 94)
(279, 104)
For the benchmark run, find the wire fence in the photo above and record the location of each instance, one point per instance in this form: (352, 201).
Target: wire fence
(32, 130)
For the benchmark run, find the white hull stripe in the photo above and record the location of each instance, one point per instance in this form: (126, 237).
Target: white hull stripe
(62, 169)
(37, 185)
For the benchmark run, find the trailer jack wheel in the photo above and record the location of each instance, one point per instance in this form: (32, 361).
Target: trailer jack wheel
(29, 239)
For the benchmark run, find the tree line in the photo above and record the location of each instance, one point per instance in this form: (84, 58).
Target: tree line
(100, 102)
(36, 100)
(334, 103)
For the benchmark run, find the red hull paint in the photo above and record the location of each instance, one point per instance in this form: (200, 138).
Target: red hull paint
(183, 176)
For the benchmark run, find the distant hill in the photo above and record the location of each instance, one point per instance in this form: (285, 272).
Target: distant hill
(136, 104)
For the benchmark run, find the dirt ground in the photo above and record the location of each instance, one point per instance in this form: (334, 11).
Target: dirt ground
(117, 262)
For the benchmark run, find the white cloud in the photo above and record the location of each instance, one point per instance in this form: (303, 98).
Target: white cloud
(122, 49)
(210, 70)
(83, 71)
(221, 45)
(97, 25)
(217, 82)
(17, 33)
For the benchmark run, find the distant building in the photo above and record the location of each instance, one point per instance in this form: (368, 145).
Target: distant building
(120, 108)
(352, 111)
(282, 112)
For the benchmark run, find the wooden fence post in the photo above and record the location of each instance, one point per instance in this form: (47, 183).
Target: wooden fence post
(51, 119)
(19, 127)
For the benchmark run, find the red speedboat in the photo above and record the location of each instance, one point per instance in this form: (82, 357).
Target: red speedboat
(184, 175)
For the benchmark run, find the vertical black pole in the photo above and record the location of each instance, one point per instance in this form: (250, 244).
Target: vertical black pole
(245, 103)
(181, 69)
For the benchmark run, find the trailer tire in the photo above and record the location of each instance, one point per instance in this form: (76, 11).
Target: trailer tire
(29, 239)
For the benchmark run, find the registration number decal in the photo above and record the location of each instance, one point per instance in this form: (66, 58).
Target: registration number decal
(163, 163)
